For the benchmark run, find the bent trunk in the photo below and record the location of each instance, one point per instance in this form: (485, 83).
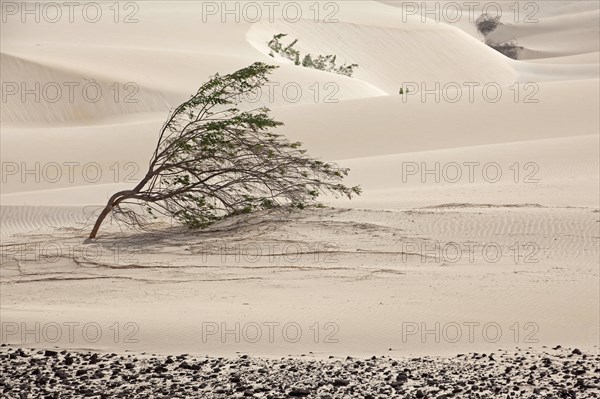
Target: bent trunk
(101, 218)
(115, 200)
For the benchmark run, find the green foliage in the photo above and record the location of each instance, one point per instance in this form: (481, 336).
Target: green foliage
(322, 62)
(214, 160)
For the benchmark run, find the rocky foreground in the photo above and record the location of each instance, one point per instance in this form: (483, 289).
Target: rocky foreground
(553, 373)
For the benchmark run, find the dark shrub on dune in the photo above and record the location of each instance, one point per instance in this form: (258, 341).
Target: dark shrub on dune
(509, 49)
(487, 24)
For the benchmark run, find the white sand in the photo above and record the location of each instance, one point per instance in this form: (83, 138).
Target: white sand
(372, 293)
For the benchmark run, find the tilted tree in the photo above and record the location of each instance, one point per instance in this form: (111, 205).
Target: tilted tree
(214, 160)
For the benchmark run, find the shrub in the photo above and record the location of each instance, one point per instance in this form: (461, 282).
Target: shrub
(321, 62)
(213, 160)
(487, 24)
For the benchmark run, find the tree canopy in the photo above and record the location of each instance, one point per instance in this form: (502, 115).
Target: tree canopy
(215, 160)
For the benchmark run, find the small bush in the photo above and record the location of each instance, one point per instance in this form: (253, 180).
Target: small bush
(509, 49)
(486, 24)
(321, 62)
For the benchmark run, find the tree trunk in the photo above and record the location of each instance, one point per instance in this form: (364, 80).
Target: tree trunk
(115, 200)
(100, 219)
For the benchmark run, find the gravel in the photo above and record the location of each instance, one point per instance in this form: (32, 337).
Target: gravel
(550, 373)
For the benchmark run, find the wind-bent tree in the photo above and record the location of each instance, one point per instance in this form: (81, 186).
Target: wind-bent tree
(214, 160)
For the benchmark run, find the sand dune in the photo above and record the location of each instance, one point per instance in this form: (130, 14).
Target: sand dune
(51, 95)
(403, 124)
(581, 59)
(97, 153)
(374, 278)
(552, 172)
(546, 29)
(562, 35)
(26, 219)
(535, 120)
(145, 89)
(403, 60)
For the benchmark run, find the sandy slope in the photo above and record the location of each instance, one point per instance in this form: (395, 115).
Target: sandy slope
(170, 283)
(544, 27)
(551, 32)
(395, 125)
(68, 97)
(373, 276)
(556, 172)
(406, 60)
(402, 124)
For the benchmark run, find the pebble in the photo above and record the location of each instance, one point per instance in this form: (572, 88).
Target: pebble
(52, 374)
